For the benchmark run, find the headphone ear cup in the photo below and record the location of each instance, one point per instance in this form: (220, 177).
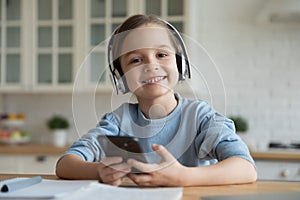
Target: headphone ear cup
(181, 66)
(121, 86)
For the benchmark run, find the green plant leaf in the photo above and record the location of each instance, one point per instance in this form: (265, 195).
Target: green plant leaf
(58, 122)
(241, 124)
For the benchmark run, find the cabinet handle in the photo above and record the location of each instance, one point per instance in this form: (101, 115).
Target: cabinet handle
(41, 158)
(285, 173)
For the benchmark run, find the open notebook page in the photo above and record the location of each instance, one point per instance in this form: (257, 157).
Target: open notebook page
(47, 189)
(75, 190)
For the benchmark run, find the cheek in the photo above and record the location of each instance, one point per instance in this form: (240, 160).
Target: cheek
(174, 77)
(173, 72)
(132, 79)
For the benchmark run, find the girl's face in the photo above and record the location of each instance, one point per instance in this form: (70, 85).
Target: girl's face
(148, 61)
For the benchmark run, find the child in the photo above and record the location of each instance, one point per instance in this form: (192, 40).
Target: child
(194, 143)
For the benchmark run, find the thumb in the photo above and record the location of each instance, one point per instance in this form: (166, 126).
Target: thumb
(163, 152)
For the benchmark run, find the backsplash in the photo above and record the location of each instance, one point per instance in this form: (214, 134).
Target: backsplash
(259, 64)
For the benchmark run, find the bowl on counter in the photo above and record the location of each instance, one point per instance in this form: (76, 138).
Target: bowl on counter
(11, 130)
(14, 137)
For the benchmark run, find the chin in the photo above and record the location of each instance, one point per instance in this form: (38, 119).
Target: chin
(151, 94)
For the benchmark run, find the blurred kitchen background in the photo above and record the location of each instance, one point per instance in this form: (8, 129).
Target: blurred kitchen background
(254, 43)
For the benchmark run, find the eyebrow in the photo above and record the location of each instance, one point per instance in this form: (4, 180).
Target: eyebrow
(167, 47)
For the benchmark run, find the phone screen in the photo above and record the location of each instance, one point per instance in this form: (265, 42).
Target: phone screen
(123, 146)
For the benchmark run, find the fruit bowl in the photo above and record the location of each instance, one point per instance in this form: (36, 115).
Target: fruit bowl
(22, 140)
(14, 137)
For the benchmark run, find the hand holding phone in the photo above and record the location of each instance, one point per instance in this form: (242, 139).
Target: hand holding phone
(111, 170)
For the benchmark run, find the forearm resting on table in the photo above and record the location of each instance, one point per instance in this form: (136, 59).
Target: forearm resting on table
(73, 167)
(233, 170)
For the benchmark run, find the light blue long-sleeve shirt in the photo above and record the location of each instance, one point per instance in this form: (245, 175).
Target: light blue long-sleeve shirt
(194, 133)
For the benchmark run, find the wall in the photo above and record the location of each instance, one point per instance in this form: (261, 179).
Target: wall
(259, 65)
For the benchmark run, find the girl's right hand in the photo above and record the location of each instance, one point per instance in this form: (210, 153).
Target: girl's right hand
(111, 170)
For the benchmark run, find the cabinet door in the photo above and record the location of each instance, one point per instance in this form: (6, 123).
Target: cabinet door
(103, 17)
(278, 170)
(11, 67)
(170, 10)
(8, 164)
(54, 43)
(39, 164)
(27, 164)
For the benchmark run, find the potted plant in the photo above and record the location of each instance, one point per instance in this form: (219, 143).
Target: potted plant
(240, 123)
(241, 127)
(59, 126)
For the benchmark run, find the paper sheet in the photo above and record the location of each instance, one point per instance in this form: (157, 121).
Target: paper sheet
(90, 190)
(97, 191)
(47, 189)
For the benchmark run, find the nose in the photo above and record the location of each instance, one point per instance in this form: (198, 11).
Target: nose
(151, 64)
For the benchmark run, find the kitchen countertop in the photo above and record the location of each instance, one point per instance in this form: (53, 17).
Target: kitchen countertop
(40, 149)
(48, 149)
(293, 155)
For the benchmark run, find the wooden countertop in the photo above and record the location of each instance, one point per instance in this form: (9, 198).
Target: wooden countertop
(195, 193)
(277, 155)
(36, 149)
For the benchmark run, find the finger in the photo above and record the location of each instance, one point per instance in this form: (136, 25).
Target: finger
(141, 179)
(143, 167)
(163, 152)
(108, 170)
(111, 160)
(115, 183)
(124, 167)
(109, 178)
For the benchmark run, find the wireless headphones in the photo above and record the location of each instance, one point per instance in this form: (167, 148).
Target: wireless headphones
(182, 61)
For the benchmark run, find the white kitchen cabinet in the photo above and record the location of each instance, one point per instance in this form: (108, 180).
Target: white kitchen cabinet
(11, 57)
(279, 170)
(54, 42)
(44, 43)
(28, 164)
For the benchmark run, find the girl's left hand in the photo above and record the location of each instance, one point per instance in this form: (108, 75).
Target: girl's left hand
(167, 173)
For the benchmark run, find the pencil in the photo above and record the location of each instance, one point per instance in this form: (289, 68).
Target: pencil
(20, 184)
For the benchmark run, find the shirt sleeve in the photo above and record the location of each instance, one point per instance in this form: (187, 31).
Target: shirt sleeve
(217, 138)
(88, 147)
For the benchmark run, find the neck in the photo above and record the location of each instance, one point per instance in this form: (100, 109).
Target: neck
(158, 107)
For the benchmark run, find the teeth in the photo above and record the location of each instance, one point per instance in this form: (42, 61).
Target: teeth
(154, 80)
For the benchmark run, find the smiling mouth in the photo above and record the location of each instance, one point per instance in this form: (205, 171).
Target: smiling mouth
(154, 80)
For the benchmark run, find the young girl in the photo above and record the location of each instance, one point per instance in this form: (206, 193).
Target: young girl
(195, 144)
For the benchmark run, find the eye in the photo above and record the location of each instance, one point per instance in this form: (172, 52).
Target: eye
(135, 60)
(162, 55)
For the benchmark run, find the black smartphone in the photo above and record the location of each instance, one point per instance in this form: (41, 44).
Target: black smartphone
(123, 146)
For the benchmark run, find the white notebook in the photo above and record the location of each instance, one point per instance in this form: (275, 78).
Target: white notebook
(90, 190)
(46, 189)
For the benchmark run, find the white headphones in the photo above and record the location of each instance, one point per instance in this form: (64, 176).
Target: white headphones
(182, 60)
